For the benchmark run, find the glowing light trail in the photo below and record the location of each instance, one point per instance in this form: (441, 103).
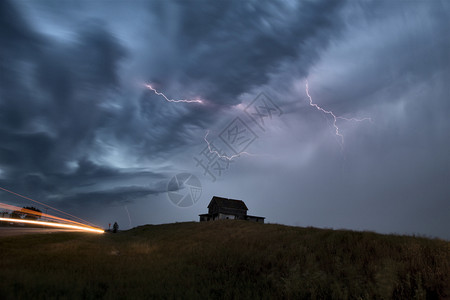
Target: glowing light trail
(173, 100)
(40, 214)
(329, 112)
(51, 224)
(16, 194)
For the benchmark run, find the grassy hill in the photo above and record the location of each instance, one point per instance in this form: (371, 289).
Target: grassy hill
(224, 259)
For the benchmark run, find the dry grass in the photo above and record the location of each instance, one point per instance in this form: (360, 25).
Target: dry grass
(225, 259)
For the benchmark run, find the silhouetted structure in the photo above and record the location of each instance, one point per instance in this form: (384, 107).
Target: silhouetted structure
(222, 208)
(115, 227)
(27, 212)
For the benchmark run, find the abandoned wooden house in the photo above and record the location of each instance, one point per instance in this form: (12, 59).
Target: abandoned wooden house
(222, 208)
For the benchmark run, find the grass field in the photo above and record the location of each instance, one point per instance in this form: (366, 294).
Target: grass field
(224, 259)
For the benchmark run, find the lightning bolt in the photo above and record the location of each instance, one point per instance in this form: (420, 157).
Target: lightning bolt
(128, 213)
(229, 158)
(173, 100)
(335, 118)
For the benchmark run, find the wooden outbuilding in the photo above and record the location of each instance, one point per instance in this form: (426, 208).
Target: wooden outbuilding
(222, 209)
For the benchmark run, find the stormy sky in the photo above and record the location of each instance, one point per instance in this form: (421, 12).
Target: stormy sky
(80, 131)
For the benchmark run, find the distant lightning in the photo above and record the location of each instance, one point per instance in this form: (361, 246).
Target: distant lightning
(329, 112)
(128, 213)
(173, 100)
(229, 158)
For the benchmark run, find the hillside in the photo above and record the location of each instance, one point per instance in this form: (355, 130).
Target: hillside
(224, 259)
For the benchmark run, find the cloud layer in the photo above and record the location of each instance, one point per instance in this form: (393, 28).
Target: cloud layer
(79, 130)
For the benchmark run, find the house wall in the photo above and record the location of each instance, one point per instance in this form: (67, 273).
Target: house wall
(232, 211)
(213, 209)
(255, 219)
(226, 216)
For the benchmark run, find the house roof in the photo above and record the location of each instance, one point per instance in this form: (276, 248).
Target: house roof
(228, 203)
(256, 217)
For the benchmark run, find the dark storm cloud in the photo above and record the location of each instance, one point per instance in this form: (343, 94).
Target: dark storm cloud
(220, 50)
(392, 64)
(78, 129)
(16, 36)
(19, 43)
(226, 48)
(51, 93)
(56, 84)
(90, 185)
(406, 56)
(111, 197)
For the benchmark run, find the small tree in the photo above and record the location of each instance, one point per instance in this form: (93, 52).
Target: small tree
(17, 214)
(31, 213)
(115, 227)
(27, 212)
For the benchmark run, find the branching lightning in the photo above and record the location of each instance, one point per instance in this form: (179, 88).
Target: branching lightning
(229, 158)
(173, 100)
(329, 112)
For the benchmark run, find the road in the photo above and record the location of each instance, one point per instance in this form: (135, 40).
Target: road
(11, 231)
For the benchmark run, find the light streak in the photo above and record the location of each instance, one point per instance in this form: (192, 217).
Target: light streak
(229, 158)
(52, 224)
(173, 100)
(39, 214)
(16, 194)
(329, 112)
